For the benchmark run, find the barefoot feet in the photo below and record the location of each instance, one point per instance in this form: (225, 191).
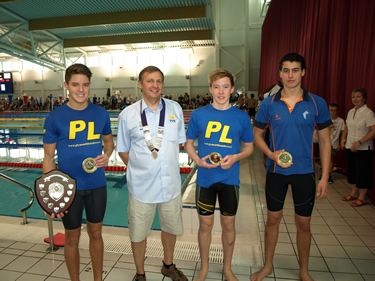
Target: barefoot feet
(261, 274)
(202, 274)
(229, 276)
(304, 276)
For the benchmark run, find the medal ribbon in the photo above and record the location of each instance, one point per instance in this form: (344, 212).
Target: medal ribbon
(146, 129)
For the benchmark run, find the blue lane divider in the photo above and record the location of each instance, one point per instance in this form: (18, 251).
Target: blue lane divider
(19, 134)
(20, 145)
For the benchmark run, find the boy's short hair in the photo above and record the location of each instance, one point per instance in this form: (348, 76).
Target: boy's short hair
(77, 69)
(293, 57)
(334, 105)
(150, 69)
(218, 74)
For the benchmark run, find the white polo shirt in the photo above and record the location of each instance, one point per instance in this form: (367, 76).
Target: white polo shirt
(359, 126)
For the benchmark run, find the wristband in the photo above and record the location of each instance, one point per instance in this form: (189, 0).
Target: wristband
(360, 142)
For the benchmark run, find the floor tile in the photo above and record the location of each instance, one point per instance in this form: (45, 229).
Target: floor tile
(120, 274)
(341, 265)
(21, 246)
(31, 277)
(286, 262)
(350, 240)
(317, 264)
(7, 275)
(335, 221)
(365, 266)
(368, 277)
(322, 276)
(13, 251)
(329, 251)
(342, 229)
(320, 229)
(34, 254)
(22, 264)
(286, 273)
(347, 276)
(359, 252)
(368, 240)
(6, 259)
(6, 243)
(45, 267)
(325, 239)
(357, 221)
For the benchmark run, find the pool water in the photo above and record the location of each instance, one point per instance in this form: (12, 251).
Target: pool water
(21, 141)
(15, 198)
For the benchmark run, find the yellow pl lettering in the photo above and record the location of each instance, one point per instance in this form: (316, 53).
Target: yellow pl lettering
(76, 126)
(212, 127)
(90, 134)
(224, 134)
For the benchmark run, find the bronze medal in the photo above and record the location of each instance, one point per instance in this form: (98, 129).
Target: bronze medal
(215, 158)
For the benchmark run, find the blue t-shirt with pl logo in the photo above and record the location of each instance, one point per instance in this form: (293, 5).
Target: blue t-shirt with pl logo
(219, 131)
(78, 136)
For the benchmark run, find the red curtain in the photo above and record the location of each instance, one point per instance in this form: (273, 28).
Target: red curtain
(336, 39)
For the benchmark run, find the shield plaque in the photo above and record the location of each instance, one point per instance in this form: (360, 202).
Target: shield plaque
(55, 191)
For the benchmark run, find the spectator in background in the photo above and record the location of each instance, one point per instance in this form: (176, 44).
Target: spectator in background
(334, 132)
(357, 138)
(95, 99)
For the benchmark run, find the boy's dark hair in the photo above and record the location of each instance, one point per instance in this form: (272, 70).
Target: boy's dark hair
(77, 69)
(335, 105)
(362, 91)
(149, 69)
(252, 95)
(293, 57)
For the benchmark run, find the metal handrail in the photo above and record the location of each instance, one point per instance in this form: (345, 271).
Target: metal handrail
(188, 178)
(23, 210)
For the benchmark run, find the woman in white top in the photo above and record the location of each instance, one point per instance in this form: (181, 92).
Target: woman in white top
(357, 139)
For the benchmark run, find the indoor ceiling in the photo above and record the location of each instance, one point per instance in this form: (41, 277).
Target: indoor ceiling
(44, 31)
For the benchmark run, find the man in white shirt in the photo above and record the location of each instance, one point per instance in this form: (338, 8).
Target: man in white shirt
(149, 135)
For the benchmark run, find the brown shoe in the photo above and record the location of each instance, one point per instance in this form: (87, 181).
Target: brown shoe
(173, 273)
(139, 278)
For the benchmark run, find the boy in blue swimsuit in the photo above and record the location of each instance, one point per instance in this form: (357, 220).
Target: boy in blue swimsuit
(76, 130)
(220, 128)
(291, 115)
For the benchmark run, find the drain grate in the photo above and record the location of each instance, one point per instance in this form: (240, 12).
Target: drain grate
(183, 250)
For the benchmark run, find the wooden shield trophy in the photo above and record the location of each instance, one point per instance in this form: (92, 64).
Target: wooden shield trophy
(55, 191)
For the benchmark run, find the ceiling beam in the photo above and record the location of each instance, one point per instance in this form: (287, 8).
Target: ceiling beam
(139, 38)
(174, 13)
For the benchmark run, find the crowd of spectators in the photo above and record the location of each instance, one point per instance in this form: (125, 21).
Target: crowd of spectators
(114, 102)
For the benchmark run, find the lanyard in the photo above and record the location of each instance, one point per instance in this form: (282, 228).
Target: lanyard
(146, 130)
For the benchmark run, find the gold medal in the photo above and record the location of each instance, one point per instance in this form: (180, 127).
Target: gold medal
(89, 165)
(154, 154)
(285, 158)
(215, 158)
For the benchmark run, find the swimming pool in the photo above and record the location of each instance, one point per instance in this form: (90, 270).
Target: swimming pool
(21, 141)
